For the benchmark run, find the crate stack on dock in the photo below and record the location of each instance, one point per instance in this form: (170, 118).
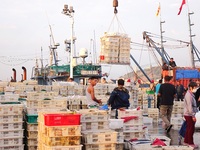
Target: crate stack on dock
(59, 131)
(177, 114)
(95, 130)
(133, 123)
(38, 101)
(154, 114)
(11, 123)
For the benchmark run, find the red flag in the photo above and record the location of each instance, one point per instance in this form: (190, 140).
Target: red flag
(183, 2)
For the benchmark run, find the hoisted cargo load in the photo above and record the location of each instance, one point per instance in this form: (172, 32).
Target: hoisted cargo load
(115, 48)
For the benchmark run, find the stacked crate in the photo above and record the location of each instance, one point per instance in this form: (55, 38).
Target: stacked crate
(154, 114)
(101, 89)
(133, 123)
(177, 114)
(133, 97)
(60, 130)
(95, 130)
(38, 101)
(115, 48)
(11, 123)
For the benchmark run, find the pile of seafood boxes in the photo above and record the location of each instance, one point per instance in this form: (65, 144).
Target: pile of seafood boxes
(11, 123)
(115, 48)
(133, 123)
(59, 131)
(38, 101)
(177, 114)
(154, 114)
(95, 131)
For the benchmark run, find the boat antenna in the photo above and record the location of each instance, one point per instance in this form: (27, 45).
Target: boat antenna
(42, 57)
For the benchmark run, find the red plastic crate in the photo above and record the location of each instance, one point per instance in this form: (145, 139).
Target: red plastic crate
(61, 119)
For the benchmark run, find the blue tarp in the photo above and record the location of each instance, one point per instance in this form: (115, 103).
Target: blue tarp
(180, 74)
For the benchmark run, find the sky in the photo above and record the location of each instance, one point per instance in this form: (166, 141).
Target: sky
(24, 30)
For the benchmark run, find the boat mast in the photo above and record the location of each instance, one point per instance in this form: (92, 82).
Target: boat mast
(161, 36)
(70, 12)
(191, 42)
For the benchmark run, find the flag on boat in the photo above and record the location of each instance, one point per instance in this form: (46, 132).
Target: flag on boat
(158, 11)
(180, 9)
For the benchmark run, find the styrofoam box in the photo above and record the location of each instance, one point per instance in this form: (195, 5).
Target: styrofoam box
(12, 147)
(116, 123)
(11, 141)
(11, 133)
(165, 139)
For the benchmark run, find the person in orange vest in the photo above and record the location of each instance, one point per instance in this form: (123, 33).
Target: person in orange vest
(165, 70)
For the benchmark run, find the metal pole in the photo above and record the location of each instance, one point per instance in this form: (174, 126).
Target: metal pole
(72, 47)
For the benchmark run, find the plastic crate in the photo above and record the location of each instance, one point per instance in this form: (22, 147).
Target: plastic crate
(132, 127)
(11, 118)
(30, 147)
(32, 126)
(57, 131)
(32, 141)
(11, 133)
(31, 118)
(61, 119)
(32, 134)
(11, 109)
(100, 137)
(177, 147)
(130, 135)
(94, 126)
(12, 147)
(109, 146)
(11, 141)
(77, 147)
(11, 126)
(58, 141)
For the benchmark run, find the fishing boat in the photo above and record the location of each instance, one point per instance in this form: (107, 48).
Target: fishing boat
(55, 72)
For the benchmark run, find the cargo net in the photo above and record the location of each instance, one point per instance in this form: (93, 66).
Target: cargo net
(115, 44)
(115, 49)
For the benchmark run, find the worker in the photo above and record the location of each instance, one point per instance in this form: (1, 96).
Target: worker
(92, 101)
(165, 70)
(119, 98)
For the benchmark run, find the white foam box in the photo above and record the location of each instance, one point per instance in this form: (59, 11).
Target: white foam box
(116, 123)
